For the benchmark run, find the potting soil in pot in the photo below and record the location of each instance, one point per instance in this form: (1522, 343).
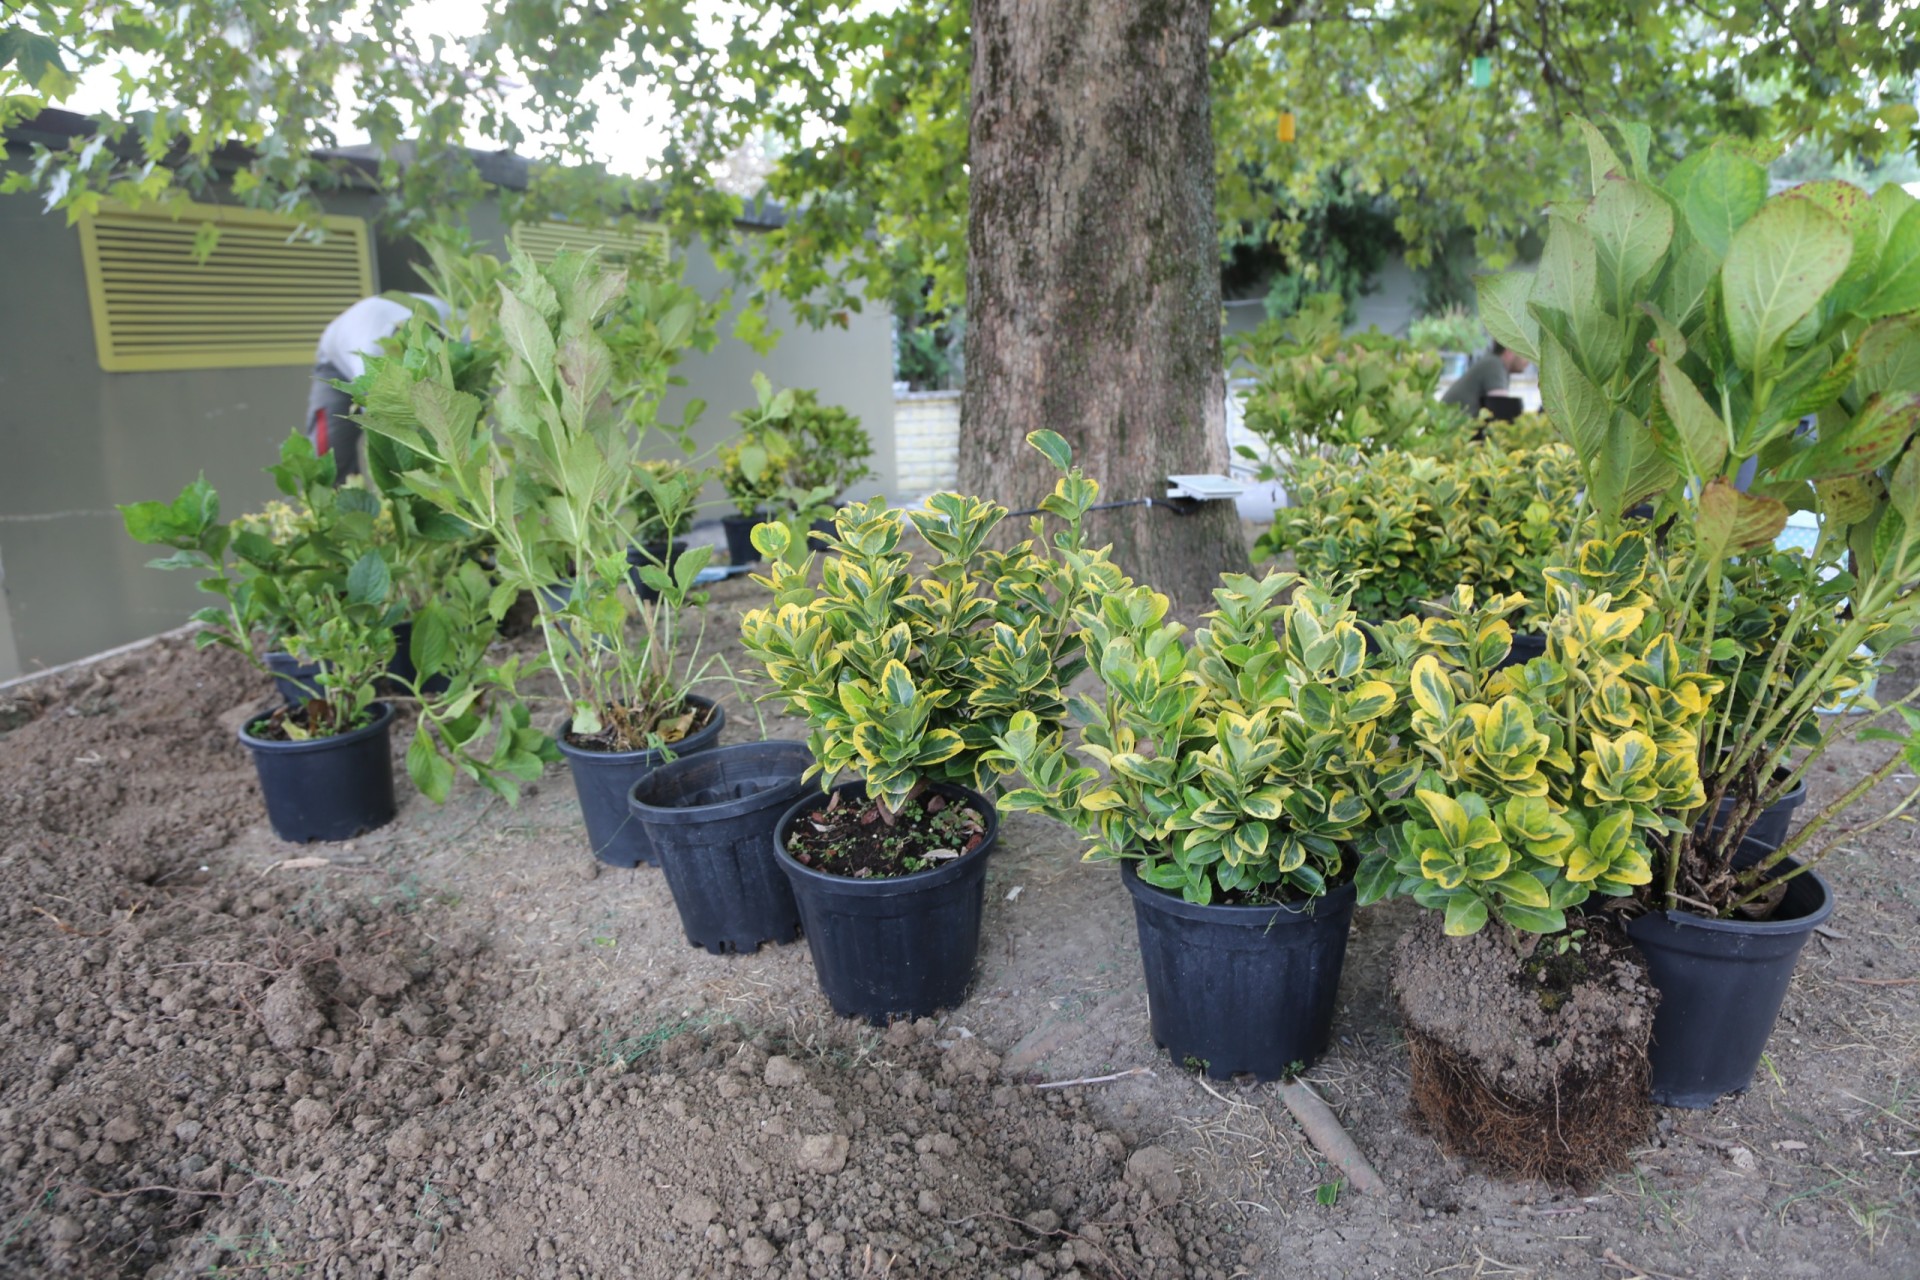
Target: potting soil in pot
(852, 840)
(1537, 1065)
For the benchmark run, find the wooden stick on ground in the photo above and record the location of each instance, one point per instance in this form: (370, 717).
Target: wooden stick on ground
(1118, 1075)
(1323, 1130)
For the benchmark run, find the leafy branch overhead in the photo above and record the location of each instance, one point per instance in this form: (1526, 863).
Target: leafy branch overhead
(863, 113)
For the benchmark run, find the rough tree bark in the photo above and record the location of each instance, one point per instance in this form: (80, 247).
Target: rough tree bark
(1093, 283)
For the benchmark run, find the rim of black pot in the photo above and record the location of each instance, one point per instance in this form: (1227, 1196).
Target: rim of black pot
(885, 884)
(1176, 904)
(782, 793)
(1763, 928)
(383, 716)
(588, 753)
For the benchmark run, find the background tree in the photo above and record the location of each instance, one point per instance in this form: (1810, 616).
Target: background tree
(868, 113)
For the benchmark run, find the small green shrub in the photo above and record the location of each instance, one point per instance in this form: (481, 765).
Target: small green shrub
(1405, 529)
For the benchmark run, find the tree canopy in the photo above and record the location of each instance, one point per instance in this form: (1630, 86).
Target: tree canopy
(865, 111)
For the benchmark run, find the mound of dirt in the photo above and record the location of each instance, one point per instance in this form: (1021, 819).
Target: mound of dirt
(211, 1068)
(1537, 1064)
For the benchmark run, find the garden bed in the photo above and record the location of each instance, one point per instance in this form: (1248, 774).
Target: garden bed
(458, 1047)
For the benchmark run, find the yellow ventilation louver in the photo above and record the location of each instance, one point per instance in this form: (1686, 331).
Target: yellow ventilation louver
(644, 248)
(261, 298)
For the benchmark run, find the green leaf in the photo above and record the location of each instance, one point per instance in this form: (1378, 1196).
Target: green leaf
(1702, 433)
(1874, 437)
(430, 642)
(1054, 446)
(1717, 190)
(1466, 914)
(368, 580)
(431, 772)
(1778, 267)
(1503, 310)
(1631, 228)
(1895, 288)
(1732, 521)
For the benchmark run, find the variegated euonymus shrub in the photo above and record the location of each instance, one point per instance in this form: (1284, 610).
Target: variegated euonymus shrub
(906, 672)
(1405, 529)
(1252, 760)
(1540, 785)
(1732, 356)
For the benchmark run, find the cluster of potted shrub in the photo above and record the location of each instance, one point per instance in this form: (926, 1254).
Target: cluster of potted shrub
(504, 465)
(1610, 900)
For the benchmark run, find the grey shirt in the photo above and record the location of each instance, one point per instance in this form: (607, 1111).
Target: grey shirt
(1485, 376)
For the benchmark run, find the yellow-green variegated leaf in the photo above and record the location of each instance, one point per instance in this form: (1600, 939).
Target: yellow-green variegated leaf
(1369, 700)
(1431, 691)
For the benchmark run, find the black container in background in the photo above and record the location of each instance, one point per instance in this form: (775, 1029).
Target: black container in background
(1527, 645)
(658, 553)
(602, 779)
(1240, 990)
(1770, 828)
(330, 788)
(297, 681)
(898, 947)
(400, 666)
(1721, 983)
(709, 818)
(739, 530)
(822, 530)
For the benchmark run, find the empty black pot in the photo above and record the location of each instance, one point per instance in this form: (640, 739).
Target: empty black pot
(602, 779)
(1240, 990)
(1721, 983)
(327, 788)
(297, 681)
(739, 530)
(709, 818)
(899, 947)
(658, 553)
(1771, 827)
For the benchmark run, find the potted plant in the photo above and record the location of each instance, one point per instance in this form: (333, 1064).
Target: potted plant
(1730, 357)
(326, 586)
(1239, 777)
(754, 467)
(1406, 529)
(906, 677)
(826, 452)
(1543, 793)
(545, 467)
(1453, 333)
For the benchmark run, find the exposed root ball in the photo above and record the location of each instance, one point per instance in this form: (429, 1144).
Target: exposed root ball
(1538, 1067)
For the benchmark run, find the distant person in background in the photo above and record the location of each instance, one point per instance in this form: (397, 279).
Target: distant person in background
(1484, 377)
(354, 334)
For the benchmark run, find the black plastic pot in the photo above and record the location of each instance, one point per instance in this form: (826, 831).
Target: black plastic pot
(653, 553)
(1771, 827)
(327, 788)
(899, 947)
(1240, 990)
(739, 530)
(296, 680)
(400, 667)
(709, 818)
(1721, 983)
(602, 779)
(1527, 645)
(815, 540)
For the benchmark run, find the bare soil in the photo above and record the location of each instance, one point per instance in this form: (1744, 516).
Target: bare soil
(857, 841)
(457, 1047)
(1536, 1064)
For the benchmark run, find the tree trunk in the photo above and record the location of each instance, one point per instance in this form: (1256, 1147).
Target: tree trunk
(1093, 279)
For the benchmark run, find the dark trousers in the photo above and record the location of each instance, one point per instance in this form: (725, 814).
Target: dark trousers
(327, 426)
